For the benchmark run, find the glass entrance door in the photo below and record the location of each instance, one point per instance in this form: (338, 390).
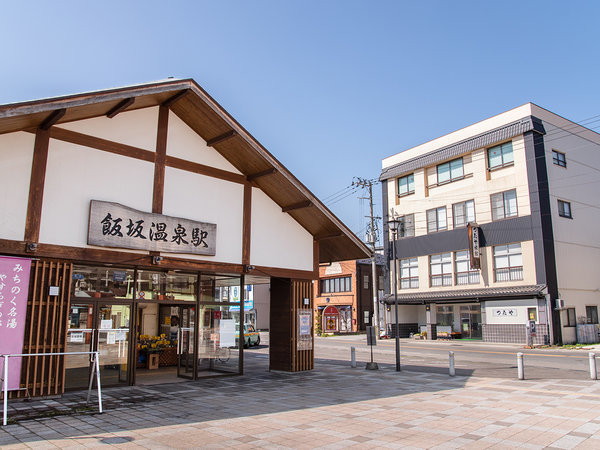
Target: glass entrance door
(80, 334)
(112, 342)
(218, 340)
(97, 327)
(470, 318)
(185, 329)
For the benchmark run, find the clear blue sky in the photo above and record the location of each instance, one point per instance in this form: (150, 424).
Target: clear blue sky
(330, 87)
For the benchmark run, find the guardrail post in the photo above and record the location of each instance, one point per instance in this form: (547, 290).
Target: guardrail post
(593, 371)
(520, 366)
(353, 357)
(451, 370)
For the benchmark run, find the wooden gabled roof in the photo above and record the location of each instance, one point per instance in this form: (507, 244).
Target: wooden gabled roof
(207, 118)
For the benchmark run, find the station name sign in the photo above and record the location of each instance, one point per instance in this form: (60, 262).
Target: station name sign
(116, 225)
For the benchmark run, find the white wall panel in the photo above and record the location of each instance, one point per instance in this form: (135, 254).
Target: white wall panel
(207, 199)
(16, 152)
(75, 175)
(137, 128)
(184, 143)
(277, 239)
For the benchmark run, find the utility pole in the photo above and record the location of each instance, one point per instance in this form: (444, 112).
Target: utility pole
(372, 239)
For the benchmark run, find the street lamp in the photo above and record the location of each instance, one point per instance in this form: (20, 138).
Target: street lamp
(394, 225)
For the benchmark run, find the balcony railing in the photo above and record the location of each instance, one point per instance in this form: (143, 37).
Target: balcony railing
(470, 277)
(509, 273)
(409, 283)
(441, 280)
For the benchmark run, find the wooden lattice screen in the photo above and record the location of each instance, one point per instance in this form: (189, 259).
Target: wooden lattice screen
(301, 359)
(46, 329)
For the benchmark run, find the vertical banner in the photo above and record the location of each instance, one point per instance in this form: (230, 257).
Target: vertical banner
(474, 251)
(14, 290)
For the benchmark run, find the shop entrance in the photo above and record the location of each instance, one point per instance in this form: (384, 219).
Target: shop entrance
(165, 342)
(102, 327)
(470, 321)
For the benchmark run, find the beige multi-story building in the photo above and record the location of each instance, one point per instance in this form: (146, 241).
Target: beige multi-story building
(525, 183)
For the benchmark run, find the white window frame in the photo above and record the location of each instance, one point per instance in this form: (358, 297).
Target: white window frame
(508, 262)
(410, 181)
(455, 171)
(439, 213)
(468, 212)
(440, 269)
(409, 273)
(463, 274)
(509, 205)
(505, 153)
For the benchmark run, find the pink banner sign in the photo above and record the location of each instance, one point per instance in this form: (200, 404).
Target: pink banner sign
(14, 289)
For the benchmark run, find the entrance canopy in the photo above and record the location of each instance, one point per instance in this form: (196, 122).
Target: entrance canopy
(467, 295)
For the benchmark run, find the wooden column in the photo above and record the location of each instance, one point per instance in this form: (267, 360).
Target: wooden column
(287, 298)
(160, 159)
(36, 185)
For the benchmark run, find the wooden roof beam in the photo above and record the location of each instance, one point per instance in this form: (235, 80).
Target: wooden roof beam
(295, 206)
(320, 237)
(121, 106)
(54, 117)
(264, 173)
(170, 101)
(223, 137)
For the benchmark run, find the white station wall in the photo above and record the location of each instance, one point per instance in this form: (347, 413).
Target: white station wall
(211, 200)
(16, 152)
(136, 128)
(75, 175)
(277, 239)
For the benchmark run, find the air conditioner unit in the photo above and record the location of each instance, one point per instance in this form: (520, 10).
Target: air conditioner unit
(560, 303)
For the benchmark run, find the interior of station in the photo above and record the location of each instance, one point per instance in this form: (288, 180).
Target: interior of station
(151, 326)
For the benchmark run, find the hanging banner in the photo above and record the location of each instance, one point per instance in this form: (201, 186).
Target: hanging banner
(14, 289)
(474, 250)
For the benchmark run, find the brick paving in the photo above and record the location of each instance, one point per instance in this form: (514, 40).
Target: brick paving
(333, 406)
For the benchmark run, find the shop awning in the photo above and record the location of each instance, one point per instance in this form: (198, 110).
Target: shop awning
(467, 295)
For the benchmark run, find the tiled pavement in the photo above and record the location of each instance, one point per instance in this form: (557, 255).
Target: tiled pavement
(333, 406)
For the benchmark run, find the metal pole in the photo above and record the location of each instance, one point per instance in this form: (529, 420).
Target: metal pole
(397, 331)
(520, 366)
(5, 382)
(593, 372)
(98, 382)
(451, 370)
(353, 357)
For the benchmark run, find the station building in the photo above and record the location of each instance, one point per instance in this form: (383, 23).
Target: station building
(496, 230)
(141, 213)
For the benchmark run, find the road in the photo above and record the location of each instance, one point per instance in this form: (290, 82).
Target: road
(471, 358)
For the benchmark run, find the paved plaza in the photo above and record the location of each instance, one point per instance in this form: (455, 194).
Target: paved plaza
(333, 406)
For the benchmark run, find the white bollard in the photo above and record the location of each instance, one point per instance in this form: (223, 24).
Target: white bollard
(353, 357)
(451, 370)
(520, 366)
(593, 372)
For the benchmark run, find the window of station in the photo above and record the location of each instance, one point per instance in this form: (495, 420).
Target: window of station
(102, 282)
(168, 286)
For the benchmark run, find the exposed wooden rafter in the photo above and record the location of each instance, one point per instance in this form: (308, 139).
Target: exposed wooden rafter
(169, 102)
(223, 137)
(54, 117)
(121, 106)
(264, 173)
(300, 205)
(320, 237)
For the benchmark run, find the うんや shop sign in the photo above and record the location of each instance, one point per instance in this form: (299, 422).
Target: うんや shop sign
(115, 225)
